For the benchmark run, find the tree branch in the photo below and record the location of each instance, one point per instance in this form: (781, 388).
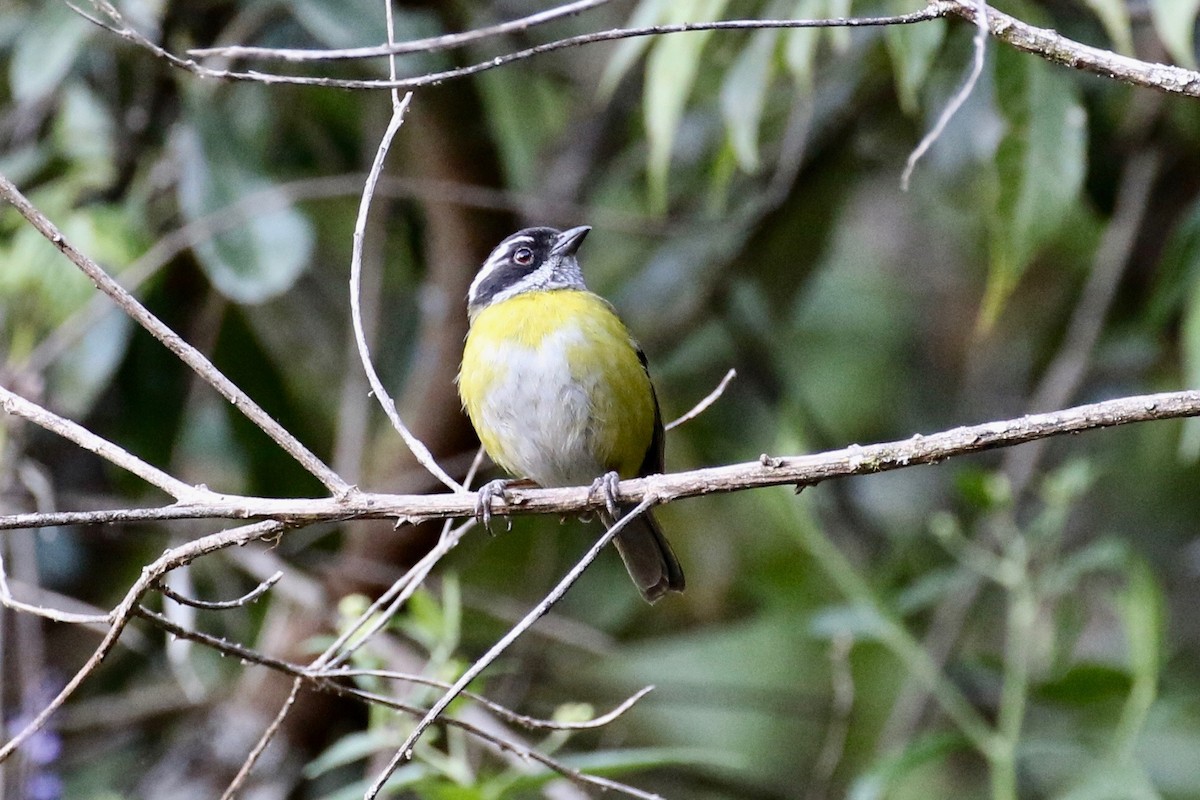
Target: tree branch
(72, 431)
(405, 753)
(184, 351)
(120, 616)
(118, 27)
(1043, 42)
(799, 471)
(418, 448)
(432, 44)
(1052, 46)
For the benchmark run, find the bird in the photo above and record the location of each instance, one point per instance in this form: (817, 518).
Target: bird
(559, 392)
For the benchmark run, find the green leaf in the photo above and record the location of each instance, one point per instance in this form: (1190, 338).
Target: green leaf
(800, 44)
(1114, 16)
(1086, 685)
(1175, 23)
(86, 369)
(1040, 165)
(1143, 611)
(860, 621)
(1112, 781)
(647, 13)
(253, 263)
(85, 135)
(1102, 555)
(670, 73)
(1178, 271)
(1189, 442)
(349, 23)
(891, 769)
(839, 36)
(353, 747)
(46, 50)
(927, 589)
(744, 93)
(912, 49)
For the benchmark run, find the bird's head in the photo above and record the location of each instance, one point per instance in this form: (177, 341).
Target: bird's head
(534, 259)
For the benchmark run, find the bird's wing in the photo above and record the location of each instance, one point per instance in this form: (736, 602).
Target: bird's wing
(655, 458)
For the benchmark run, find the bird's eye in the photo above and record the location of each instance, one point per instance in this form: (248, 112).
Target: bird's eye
(523, 256)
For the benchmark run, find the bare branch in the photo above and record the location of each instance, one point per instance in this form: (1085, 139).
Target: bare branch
(184, 351)
(380, 612)
(501, 711)
(1052, 46)
(703, 405)
(405, 752)
(980, 48)
(124, 611)
(432, 44)
(323, 680)
(220, 605)
(117, 27)
(15, 404)
(9, 601)
(1043, 42)
(419, 450)
(252, 757)
(803, 470)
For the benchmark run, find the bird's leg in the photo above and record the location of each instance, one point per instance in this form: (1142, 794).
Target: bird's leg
(492, 490)
(496, 490)
(606, 485)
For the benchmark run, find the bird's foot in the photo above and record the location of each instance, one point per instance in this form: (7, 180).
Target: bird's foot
(606, 485)
(490, 491)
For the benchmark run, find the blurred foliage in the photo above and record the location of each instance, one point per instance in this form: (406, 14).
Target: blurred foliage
(952, 631)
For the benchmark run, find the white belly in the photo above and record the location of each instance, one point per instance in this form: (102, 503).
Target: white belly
(543, 414)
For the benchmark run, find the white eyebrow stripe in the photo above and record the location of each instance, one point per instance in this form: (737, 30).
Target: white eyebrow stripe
(499, 257)
(512, 245)
(503, 253)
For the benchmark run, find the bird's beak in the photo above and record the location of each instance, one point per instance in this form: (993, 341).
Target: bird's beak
(568, 241)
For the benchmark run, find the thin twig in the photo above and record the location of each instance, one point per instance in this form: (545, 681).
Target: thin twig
(380, 612)
(15, 404)
(220, 605)
(802, 470)
(124, 611)
(324, 678)
(1066, 372)
(118, 28)
(383, 609)
(8, 601)
(1043, 42)
(283, 195)
(419, 450)
(432, 44)
(326, 684)
(1059, 383)
(1053, 46)
(483, 662)
(256, 752)
(184, 351)
(960, 97)
(501, 711)
(703, 405)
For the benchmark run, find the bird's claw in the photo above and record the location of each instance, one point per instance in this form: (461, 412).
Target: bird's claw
(492, 490)
(606, 485)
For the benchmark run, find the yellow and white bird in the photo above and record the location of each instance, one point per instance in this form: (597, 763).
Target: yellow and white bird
(558, 390)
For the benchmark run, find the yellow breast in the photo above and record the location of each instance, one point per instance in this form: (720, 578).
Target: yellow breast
(553, 385)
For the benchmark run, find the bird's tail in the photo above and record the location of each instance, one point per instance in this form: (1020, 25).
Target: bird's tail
(648, 557)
